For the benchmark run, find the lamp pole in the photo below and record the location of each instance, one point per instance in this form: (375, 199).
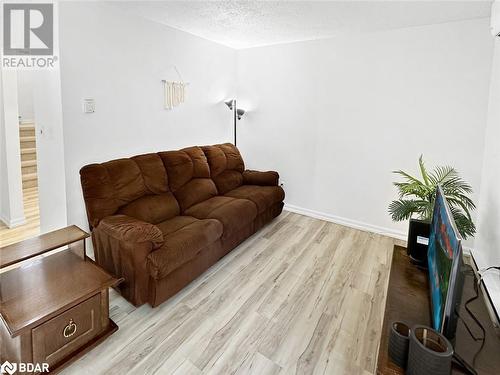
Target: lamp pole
(237, 113)
(234, 116)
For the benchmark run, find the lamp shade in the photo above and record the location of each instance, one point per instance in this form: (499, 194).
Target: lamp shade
(229, 103)
(240, 112)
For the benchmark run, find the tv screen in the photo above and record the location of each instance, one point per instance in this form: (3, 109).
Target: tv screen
(445, 260)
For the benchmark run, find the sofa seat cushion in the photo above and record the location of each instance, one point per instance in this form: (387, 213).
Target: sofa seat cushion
(176, 223)
(263, 196)
(184, 237)
(233, 213)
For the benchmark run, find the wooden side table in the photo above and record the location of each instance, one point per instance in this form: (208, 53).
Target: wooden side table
(55, 308)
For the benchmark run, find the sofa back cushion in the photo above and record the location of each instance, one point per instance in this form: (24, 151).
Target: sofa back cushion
(226, 166)
(136, 187)
(189, 176)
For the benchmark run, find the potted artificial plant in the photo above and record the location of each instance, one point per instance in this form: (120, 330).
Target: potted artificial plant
(416, 203)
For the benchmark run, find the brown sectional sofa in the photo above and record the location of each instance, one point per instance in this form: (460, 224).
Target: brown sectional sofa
(159, 220)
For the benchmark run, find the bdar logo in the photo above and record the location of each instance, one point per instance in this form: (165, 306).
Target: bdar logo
(28, 29)
(8, 368)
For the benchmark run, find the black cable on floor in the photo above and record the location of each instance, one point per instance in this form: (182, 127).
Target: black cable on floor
(467, 327)
(477, 282)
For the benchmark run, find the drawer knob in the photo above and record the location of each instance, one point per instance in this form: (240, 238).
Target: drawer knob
(70, 329)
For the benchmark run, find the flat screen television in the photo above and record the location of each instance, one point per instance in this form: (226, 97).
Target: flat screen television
(445, 267)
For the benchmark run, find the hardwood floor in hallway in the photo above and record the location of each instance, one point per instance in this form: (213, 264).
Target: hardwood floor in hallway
(302, 296)
(32, 215)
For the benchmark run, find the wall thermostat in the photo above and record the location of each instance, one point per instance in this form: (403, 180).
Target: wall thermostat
(88, 105)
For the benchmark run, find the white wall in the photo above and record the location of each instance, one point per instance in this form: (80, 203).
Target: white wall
(50, 150)
(11, 204)
(487, 244)
(120, 60)
(4, 180)
(25, 95)
(336, 116)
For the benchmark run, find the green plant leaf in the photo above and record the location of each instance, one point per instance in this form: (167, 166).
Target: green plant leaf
(460, 204)
(416, 197)
(423, 171)
(456, 185)
(408, 177)
(464, 224)
(409, 189)
(441, 174)
(403, 209)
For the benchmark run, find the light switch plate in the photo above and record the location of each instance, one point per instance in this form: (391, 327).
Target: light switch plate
(88, 105)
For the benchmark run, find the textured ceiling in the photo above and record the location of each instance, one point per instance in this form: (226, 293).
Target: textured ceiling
(244, 24)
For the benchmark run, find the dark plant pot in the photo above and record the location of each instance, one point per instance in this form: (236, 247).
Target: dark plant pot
(399, 341)
(430, 352)
(418, 242)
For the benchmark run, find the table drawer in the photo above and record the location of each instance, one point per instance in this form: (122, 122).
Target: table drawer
(58, 337)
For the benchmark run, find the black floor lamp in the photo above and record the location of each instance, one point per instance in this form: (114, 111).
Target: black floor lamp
(237, 113)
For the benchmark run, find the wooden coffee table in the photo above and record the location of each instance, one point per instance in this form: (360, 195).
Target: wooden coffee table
(53, 308)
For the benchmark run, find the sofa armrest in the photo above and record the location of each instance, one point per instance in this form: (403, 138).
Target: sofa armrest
(121, 246)
(128, 229)
(269, 178)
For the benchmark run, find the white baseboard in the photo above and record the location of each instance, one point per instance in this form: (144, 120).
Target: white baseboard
(12, 223)
(400, 235)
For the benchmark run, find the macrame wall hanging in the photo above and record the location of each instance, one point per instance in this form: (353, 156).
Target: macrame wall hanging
(175, 91)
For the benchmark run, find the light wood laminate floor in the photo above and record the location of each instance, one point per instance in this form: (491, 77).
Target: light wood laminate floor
(302, 296)
(32, 215)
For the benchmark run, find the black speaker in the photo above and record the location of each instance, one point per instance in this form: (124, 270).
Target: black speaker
(418, 242)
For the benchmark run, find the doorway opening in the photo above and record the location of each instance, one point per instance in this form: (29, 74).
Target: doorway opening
(30, 226)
